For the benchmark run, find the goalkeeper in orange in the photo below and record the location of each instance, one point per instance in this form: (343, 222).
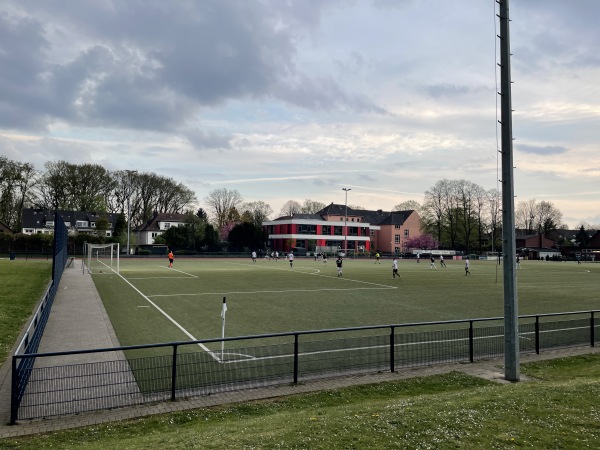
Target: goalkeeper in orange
(171, 257)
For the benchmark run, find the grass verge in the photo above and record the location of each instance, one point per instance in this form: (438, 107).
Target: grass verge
(22, 285)
(443, 411)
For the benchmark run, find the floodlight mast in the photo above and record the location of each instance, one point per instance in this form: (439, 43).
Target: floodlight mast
(511, 316)
(129, 173)
(346, 223)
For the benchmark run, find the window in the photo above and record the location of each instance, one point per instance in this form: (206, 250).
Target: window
(405, 233)
(337, 231)
(326, 229)
(153, 235)
(372, 233)
(167, 225)
(81, 224)
(341, 219)
(307, 229)
(396, 239)
(397, 226)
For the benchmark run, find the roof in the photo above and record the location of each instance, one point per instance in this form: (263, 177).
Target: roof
(152, 224)
(37, 218)
(5, 229)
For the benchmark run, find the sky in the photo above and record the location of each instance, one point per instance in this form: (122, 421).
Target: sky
(297, 99)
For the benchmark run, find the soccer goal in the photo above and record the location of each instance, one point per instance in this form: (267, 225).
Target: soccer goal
(102, 258)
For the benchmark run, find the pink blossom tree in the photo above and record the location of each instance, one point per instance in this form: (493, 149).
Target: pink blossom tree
(425, 241)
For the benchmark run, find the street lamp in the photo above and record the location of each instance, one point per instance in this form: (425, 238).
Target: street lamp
(346, 221)
(129, 172)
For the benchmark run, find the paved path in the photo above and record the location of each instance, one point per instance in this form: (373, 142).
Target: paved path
(78, 320)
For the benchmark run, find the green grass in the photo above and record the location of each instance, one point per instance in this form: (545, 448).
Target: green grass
(21, 287)
(438, 412)
(269, 297)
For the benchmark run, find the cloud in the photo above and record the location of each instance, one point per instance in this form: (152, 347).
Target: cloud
(446, 90)
(542, 150)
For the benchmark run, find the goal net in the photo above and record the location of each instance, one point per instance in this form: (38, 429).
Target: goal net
(102, 258)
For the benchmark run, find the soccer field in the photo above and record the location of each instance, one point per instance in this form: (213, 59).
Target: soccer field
(149, 302)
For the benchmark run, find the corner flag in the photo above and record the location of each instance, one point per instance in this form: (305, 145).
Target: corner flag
(224, 310)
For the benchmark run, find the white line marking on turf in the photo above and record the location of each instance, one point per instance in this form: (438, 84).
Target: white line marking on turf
(321, 275)
(180, 271)
(272, 292)
(157, 278)
(173, 321)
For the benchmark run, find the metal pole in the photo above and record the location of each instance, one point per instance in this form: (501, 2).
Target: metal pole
(346, 222)
(129, 172)
(511, 318)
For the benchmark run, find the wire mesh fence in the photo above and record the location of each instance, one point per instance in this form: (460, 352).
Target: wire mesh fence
(187, 369)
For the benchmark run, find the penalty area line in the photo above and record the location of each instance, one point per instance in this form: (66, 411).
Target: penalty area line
(283, 291)
(322, 275)
(180, 271)
(173, 321)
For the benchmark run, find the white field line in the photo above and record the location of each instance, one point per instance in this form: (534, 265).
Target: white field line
(180, 271)
(406, 344)
(321, 275)
(267, 292)
(157, 278)
(173, 321)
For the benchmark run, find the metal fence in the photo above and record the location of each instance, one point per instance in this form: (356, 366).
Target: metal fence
(33, 334)
(176, 370)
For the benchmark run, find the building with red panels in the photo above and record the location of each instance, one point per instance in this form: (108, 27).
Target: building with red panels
(331, 230)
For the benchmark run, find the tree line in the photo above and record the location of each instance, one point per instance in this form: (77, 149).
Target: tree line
(458, 214)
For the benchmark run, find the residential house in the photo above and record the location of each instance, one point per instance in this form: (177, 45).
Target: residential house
(41, 221)
(4, 229)
(157, 225)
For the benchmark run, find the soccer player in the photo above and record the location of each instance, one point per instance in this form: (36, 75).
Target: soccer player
(432, 266)
(518, 262)
(377, 258)
(276, 256)
(442, 263)
(253, 256)
(467, 272)
(324, 256)
(291, 259)
(395, 268)
(339, 263)
(171, 258)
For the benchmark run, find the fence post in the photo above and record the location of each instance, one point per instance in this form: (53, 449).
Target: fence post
(295, 358)
(392, 351)
(14, 406)
(537, 335)
(592, 331)
(471, 345)
(174, 373)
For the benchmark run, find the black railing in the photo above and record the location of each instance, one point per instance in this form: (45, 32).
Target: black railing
(29, 345)
(126, 376)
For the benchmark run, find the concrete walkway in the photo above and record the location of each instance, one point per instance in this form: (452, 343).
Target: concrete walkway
(79, 320)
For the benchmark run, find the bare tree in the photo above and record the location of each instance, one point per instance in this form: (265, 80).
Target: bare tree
(434, 209)
(408, 205)
(16, 181)
(256, 212)
(290, 208)
(312, 206)
(220, 202)
(525, 215)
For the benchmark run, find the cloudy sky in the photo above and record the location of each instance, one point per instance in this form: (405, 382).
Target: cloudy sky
(296, 99)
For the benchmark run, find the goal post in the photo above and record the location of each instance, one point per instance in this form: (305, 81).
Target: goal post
(102, 258)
